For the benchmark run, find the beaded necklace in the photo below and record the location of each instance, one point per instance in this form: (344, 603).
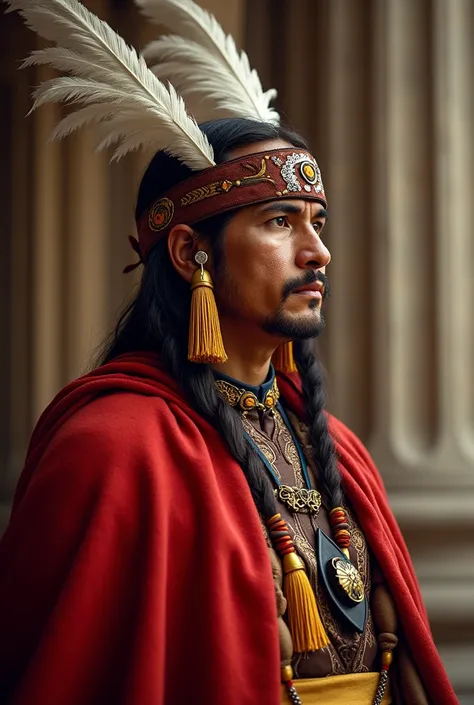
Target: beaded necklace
(344, 574)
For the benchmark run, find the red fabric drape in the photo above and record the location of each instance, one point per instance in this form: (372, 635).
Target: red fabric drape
(134, 570)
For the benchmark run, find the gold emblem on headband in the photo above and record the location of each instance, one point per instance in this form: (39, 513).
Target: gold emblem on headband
(308, 170)
(161, 214)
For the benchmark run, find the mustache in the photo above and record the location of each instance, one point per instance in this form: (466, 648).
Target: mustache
(310, 277)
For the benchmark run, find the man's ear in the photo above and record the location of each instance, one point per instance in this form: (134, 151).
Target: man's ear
(183, 243)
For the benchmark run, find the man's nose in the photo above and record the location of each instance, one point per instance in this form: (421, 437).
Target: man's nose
(313, 254)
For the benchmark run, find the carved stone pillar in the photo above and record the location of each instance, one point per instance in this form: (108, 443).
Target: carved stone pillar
(15, 266)
(422, 436)
(384, 91)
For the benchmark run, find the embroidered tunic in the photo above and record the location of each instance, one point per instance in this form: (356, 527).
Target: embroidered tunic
(348, 651)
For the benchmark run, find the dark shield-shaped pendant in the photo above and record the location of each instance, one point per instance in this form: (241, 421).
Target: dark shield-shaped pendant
(342, 582)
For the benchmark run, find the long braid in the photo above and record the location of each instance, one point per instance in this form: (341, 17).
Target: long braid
(166, 322)
(198, 382)
(229, 423)
(312, 377)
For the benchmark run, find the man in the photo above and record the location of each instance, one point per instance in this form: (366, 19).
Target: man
(191, 527)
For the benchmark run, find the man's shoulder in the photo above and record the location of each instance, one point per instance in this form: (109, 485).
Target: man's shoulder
(122, 411)
(116, 443)
(118, 415)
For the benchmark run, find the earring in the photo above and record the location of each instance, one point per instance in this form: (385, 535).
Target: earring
(283, 359)
(205, 337)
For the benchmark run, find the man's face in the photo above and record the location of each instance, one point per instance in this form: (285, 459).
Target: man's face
(273, 272)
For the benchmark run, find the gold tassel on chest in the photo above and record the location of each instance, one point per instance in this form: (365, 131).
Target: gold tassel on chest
(306, 627)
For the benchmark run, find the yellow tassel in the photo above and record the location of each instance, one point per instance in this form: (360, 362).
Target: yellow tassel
(305, 624)
(283, 359)
(205, 337)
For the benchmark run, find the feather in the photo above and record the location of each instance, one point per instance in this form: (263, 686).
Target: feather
(235, 85)
(210, 96)
(111, 82)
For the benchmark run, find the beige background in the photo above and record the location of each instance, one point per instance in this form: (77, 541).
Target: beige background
(384, 89)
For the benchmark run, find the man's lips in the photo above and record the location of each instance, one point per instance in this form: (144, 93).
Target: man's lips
(315, 290)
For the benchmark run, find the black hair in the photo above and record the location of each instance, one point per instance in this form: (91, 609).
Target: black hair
(158, 319)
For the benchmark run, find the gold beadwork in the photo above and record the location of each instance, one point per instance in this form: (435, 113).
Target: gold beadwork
(248, 401)
(286, 674)
(270, 400)
(244, 398)
(218, 187)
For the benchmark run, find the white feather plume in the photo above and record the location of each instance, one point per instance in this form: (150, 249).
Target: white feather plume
(199, 57)
(112, 84)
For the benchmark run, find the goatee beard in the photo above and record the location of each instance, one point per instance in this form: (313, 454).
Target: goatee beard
(280, 323)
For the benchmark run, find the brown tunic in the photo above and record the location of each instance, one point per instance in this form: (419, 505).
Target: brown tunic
(348, 652)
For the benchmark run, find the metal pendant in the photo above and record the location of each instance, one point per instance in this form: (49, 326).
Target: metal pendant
(342, 581)
(299, 499)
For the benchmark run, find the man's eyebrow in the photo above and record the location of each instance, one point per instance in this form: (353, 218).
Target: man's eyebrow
(321, 213)
(286, 207)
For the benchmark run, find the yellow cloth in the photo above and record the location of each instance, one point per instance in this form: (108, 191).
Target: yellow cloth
(353, 688)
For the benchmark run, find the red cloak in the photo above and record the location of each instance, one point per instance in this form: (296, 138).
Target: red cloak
(134, 570)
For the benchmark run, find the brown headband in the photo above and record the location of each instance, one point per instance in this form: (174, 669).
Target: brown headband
(255, 178)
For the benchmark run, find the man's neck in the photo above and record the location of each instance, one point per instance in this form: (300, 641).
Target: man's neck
(251, 372)
(249, 351)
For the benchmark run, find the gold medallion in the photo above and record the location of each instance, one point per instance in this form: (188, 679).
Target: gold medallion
(348, 579)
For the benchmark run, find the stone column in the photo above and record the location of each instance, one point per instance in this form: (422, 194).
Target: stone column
(16, 140)
(422, 436)
(384, 92)
(48, 244)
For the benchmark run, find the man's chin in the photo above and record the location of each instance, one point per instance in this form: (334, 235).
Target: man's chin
(297, 328)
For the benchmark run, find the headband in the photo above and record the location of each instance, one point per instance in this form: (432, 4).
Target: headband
(254, 178)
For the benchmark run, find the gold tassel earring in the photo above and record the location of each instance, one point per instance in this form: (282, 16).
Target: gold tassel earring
(283, 359)
(205, 337)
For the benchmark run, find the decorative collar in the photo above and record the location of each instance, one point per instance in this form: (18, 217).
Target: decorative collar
(245, 396)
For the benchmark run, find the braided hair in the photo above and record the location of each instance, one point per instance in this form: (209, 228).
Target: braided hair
(157, 319)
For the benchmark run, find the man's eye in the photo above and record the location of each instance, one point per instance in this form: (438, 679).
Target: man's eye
(280, 221)
(318, 227)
